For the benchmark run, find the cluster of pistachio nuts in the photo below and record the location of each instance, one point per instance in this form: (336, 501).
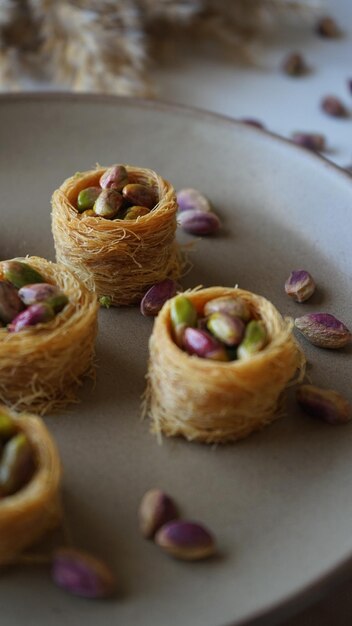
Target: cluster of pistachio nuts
(116, 198)
(17, 458)
(195, 215)
(182, 539)
(325, 331)
(226, 330)
(25, 298)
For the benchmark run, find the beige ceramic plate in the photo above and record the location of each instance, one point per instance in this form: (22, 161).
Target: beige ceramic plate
(279, 502)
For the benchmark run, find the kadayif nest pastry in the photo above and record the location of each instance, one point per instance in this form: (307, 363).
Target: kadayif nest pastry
(30, 478)
(210, 391)
(115, 228)
(47, 338)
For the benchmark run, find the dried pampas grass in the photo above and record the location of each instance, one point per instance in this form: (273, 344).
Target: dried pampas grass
(109, 45)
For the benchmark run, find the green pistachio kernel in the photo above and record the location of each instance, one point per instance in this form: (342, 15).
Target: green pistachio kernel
(19, 273)
(17, 464)
(7, 427)
(86, 198)
(255, 338)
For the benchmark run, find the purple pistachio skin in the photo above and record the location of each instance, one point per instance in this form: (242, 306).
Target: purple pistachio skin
(198, 222)
(190, 199)
(202, 344)
(30, 294)
(334, 106)
(300, 285)
(35, 314)
(82, 574)
(115, 177)
(324, 404)
(156, 296)
(312, 141)
(185, 540)
(323, 330)
(227, 329)
(156, 509)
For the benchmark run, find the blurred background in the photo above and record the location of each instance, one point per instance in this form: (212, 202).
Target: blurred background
(234, 57)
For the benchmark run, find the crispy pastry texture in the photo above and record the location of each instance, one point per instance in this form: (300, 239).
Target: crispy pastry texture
(117, 258)
(41, 367)
(212, 401)
(36, 508)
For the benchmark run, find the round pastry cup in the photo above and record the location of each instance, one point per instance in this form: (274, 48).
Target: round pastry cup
(213, 401)
(42, 366)
(120, 259)
(36, 508)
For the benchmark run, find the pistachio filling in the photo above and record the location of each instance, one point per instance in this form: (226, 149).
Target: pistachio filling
(17, 457)
(226, 330)
(116, 197)
(25, 298)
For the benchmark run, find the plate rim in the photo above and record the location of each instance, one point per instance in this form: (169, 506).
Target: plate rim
(307, 594)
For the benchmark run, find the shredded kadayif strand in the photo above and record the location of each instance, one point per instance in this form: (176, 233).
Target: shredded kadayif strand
(36, 508)
(120, 259)
(41, 367)
(212, 401)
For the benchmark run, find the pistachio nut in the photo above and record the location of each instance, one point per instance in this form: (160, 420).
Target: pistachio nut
(17, 464)
(198, 222)
(115, 177)
(86, 198)
(19, 273)
(311, 141)
(156, 509)
(183, 314)
(189, 199)
(156, 296)
(41, 292)
(38, 313)
(328, 27)
(108, 204)
(8, 427)
(136, 211)
(235, 306)
(300, 285)
(254, 340)
(295, 65)
(202, 344)
(334, 107)
(323, 330)
(325, 404)
(186, 540)
(10, 303)
(226, 328)
(140, 195)
(81, 574)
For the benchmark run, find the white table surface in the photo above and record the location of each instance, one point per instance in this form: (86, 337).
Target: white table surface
(203, 78)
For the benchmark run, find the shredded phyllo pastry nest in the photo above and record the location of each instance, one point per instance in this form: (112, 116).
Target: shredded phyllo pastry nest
(217, 402)
(120, 259)
(41, 366)
(36, 508)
